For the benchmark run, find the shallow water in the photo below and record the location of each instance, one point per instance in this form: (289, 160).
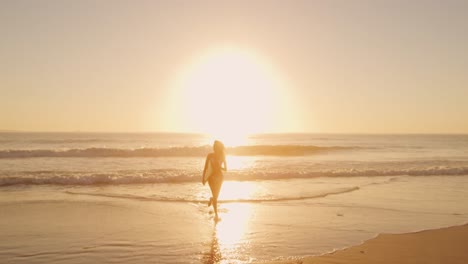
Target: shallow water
(153, 209)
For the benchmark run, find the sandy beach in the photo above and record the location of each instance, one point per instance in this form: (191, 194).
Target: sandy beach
(445, 245)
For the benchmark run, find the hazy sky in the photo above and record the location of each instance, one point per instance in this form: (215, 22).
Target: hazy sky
(347, 66)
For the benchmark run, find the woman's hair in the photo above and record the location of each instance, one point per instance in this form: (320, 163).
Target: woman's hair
(218, 148)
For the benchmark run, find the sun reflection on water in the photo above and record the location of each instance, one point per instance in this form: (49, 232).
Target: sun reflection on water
(239, 163)
(232, 227)
(236, 191)
(229, 242)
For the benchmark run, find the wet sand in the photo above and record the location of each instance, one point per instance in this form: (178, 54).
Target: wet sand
(446, 245)
(124, 224)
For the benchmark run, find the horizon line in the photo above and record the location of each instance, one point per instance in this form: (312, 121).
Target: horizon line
(201, 133)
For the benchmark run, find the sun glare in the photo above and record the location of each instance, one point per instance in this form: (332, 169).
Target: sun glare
(234, 190)
(231, 230)
(228, 94)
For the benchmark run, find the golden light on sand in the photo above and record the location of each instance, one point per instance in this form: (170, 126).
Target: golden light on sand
(230, 230)
(229, 93)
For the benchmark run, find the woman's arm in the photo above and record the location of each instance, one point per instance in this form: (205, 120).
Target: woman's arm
(206, 167)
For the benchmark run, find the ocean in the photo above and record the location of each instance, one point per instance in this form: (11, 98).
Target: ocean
(138, 197)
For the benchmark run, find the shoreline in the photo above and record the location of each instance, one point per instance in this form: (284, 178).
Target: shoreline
(101, 228)
(443, 245)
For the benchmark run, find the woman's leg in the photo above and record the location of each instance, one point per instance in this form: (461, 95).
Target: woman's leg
(212, 188)
(217, 189)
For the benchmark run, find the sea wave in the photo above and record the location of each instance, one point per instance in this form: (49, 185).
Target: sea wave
(254, 150)
(175, 176)
(182, 200)
(70, 140)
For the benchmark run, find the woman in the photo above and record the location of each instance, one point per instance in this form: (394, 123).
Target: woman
(215, 180)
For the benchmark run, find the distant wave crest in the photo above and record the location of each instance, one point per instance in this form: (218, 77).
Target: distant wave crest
(254, 150)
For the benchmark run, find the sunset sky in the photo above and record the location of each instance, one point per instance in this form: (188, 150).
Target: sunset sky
(249, 66)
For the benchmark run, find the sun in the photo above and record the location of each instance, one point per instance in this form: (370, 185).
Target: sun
(228, 93)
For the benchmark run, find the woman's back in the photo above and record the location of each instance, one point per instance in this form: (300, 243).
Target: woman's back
(216, 164)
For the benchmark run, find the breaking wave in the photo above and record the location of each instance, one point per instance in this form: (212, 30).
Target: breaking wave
(254, 150)
(182, 176)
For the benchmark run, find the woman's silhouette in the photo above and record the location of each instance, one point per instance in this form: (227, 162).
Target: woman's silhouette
(218, 163)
